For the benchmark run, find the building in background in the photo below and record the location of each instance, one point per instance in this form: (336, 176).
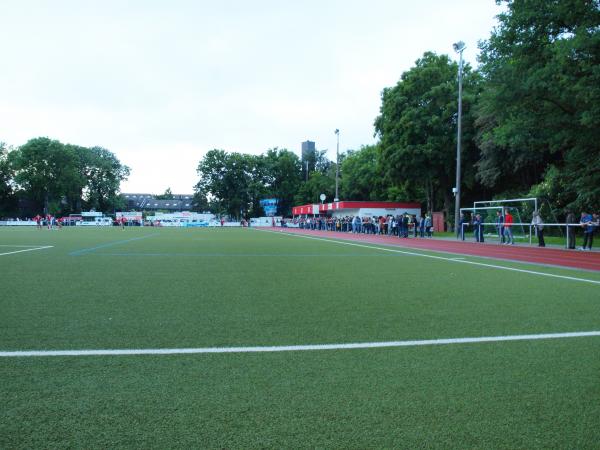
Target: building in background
(361, 209)
(149, 202)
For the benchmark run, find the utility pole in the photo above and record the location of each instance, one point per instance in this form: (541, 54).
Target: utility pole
(458, 48)
(337, 166)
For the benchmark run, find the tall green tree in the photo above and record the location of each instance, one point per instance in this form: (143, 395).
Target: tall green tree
(417, 130)
(46, 170)
(318, 183)
(228, 179)
(104, 176)
(7, 196)
(283, 177)
(200, 202)
(61, 178)
(235, 183)
(167, 195)
(540, 109)
(362, 176)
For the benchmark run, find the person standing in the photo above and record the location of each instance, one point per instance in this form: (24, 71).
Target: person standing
(538, 223)
(462, 224)
(428, 225)
(476, 227)
(500, 226)
(478, 223)
(570, 230)
(405, 224)
(508, 221)
(414, 224)
(587, 222)
(594, 225)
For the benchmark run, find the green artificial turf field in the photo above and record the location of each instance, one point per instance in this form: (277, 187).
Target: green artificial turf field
(150, 288)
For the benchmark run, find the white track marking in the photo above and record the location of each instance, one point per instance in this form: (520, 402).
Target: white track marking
(26, 250)
(295, 348)
(404, 252)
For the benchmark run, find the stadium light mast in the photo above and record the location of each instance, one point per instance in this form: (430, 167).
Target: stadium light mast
(337, 165)
(458, 48)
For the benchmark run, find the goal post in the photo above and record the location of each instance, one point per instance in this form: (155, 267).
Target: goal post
(488, 217)
(521, 208)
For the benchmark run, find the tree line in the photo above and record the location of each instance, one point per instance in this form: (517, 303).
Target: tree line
(45, 175)
(531, 127)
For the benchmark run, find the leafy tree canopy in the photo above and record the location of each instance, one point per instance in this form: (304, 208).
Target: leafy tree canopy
(541, 103)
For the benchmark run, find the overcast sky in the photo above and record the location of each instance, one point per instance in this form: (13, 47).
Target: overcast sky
(159, 83)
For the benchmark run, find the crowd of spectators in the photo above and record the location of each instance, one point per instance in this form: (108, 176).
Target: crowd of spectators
(402, 225)
(407, 225)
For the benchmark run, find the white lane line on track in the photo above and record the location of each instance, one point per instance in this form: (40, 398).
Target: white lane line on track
(26, 250)
(294, 348)
(404, 252)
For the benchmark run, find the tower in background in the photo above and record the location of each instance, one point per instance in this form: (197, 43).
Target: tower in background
(309, 158)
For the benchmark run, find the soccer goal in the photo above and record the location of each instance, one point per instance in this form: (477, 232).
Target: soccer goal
(520, 208)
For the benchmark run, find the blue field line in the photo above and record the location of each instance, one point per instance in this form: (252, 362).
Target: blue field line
(255, 255)
(83, 251)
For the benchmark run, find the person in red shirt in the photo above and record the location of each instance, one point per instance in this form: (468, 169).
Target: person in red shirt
(508, 221)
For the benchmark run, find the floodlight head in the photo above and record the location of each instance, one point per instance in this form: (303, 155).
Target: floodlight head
(459, 46)
(337, 131)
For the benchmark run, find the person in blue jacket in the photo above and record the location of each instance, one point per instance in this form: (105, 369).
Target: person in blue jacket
(422, 227)
(587, 222)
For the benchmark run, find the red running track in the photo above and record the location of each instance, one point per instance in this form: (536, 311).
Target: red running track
(547, 255)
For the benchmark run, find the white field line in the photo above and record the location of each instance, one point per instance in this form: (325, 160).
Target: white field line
(294, 348)
(26, 250)
(17, 246)
(456, 260)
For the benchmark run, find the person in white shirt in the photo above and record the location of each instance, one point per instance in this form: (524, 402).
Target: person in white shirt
(538, 223)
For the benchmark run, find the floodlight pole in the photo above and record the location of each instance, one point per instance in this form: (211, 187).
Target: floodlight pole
(337, 165)
(458, 48)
